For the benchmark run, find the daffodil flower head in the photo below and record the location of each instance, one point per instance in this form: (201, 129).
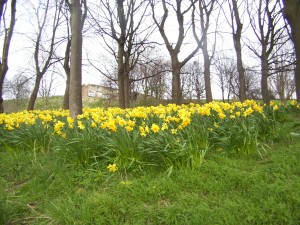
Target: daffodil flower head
(155, 128)
(112, 168)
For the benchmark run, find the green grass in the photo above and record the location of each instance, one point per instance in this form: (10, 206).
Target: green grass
(56, 102)
(43, 189)
(53, 102)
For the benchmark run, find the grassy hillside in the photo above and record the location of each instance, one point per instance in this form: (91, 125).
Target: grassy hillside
(43, 189)
(53, 102)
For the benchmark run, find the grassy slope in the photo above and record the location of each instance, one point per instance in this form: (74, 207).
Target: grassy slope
(223, 191)
(43, 189)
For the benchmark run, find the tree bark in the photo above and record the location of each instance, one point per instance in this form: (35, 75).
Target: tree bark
(238, 49)
(205, 9)
(68, 72)
(127, 89)
(125, 49)
(292, 14)
(34, 92)
(121, 77)
(297, 69)
(264, 79)
(7, 39)
(176, 81)
(75, 94)
(207, 80)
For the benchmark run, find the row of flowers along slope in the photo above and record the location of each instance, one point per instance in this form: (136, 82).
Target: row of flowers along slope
(162, 136)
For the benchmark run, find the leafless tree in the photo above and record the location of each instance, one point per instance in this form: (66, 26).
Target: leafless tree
(18, 88)
(8, 32)
(150, 78)
(252, 80)
(237, 27)
(66, 61)
(112, 84)
(292, 15)
(123, 28)
(282, 84)
(282, 80)
(252, 83)
(182, 13)
(265, 17)
(226, 72)
(228, 79)
(67, 69)
(193, 84)
(78, 16)
(205, 10)
(47, 87)
(44, 45)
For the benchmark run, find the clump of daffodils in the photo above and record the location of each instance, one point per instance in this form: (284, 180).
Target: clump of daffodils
(142, 120)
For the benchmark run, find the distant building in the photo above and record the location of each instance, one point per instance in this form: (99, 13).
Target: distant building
(99, 91)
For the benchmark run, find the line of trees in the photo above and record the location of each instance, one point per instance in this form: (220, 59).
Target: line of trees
(263, 63)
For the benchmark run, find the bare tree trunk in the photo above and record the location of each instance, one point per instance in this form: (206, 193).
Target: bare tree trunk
(35, 91)
(127, 90)
(266, 27)
(264, 79)
(297, 69)
(121, 77)
(66, 65)
(281, 87)
(241, 71)
(122, 22)
(223, 93)
(68, 72)
(176, 82)
(292, 14)
(238, 49)
(205, 12)
(198, 89)
(1, 98)
(41, 70)
(75, 94)
(7, 39)
(175, 50)
(66, 101)
(207, 79)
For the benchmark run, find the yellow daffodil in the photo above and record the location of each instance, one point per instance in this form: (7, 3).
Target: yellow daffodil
(185, 121)
(129, 128)
(173, 131)
(112, 168)
(221, 115)
(155, 128)
(70, 121)
(81, 125)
